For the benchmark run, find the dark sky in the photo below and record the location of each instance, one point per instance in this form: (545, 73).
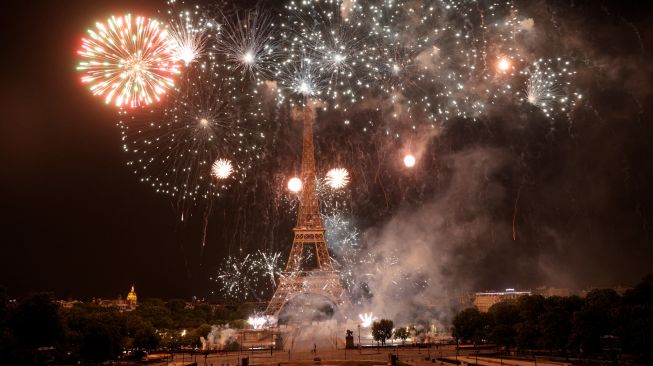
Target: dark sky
(77, 222)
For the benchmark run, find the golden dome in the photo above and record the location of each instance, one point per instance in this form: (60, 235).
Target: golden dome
(131, 297)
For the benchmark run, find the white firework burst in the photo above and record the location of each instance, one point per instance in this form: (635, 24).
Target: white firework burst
(222, 169)
(189, 32)
(249, 43)
(337, 178)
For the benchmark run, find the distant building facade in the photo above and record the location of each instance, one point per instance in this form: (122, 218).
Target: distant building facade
(68, 304)
(132, 299)
(128, 304)
(484, 300)
(552, 291)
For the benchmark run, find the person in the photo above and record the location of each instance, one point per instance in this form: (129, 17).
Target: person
(314, 348)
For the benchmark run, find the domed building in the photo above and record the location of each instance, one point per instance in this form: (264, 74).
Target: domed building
(122, 304)
(132, 299)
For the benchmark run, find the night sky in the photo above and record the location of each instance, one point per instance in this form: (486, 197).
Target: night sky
(77, 222)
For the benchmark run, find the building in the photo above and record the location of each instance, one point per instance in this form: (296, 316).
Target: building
(128, 304)
(484, 300)
(68, 304)
(552, 291)
(132, 299)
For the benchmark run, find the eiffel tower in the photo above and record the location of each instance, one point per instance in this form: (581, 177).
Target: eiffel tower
(323, 279)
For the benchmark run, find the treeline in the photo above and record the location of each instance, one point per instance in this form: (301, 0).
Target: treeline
(601, 322)
(37, 330)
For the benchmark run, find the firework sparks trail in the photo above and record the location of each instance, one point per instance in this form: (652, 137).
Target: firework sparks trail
(326, 55)
(203, 131)
(516, 206)
(190, 32)
(549, 86)
(249, 43)
(260, 321)
(237, 278)
(251, 277)
(129, 61)
(271, 264)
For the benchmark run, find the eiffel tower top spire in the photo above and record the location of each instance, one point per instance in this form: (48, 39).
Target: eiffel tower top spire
(309, 210)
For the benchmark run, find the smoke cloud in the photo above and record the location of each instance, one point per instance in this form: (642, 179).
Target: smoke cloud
(423, 255)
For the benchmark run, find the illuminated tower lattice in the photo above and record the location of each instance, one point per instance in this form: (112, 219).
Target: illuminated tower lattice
(308, 244)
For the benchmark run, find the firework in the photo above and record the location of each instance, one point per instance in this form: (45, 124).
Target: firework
(409, 161)
(203, 130)
(251, 277)
(270, 264)
(549, 86)
(342, 237)
(222, 168)
(342, 234)
(130, 62)
(258, 321)
(503, 65)
(337, 178)
(249, 43)
(295, 185)
(367, 319)
(237, 278)
(300, 82)
(326, 54)
(189, 32)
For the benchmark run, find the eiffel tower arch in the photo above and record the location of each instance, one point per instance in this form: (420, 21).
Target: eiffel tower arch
(309, 242)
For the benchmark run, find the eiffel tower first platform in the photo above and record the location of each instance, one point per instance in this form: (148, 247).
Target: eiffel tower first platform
(322, 279)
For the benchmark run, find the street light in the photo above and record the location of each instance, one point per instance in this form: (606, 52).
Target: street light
(360, 346)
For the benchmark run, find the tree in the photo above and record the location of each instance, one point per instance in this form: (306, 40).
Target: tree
(201, 314)
(36, 321)
(642, 294)
(601, 322)
(635, 318)
(101, 338)
(596, 318)
(238, 324)
(98, 333)
(146, 337)
(555, 322)
(382, 330)
(3, 306)
(176, 306)
(635, 329)
(527, 330)
(527, 334)
(401, 333)
(243, 310)
(201, 331)
(470, 325)
(231, 344)
(505, 315)
(157, 313)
